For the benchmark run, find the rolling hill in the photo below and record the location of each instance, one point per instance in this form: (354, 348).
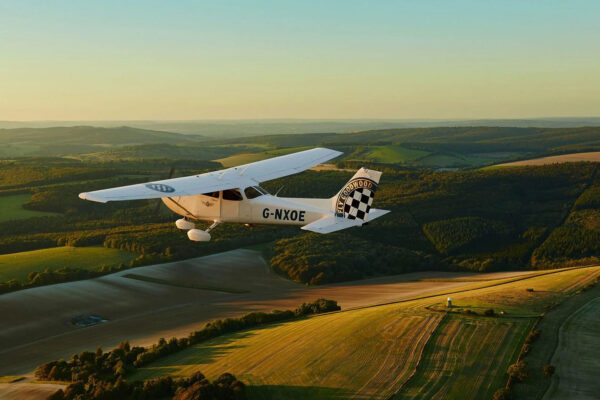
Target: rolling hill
(388, 351)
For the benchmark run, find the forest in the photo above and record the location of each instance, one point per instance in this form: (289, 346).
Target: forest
(472, 219)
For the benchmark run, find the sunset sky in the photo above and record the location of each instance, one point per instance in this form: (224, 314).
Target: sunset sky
(62, 60)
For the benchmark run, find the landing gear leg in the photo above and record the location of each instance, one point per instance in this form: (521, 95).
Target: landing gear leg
(210, 228)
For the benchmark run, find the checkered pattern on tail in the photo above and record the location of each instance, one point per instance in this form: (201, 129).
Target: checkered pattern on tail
(358, 203)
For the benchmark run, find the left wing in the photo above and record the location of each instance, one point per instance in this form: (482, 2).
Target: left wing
(231, 178)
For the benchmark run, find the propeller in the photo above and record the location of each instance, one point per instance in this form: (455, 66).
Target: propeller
(171, 172)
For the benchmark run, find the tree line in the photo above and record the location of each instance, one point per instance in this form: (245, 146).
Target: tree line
(102, 375)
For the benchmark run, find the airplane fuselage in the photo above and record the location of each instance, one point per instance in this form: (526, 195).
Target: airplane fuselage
(264, 209)
(232, 196)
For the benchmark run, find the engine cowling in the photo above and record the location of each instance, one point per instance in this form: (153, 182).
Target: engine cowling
(198, 235)
(184, 224)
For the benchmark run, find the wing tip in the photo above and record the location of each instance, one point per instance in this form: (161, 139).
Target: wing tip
(91, 197)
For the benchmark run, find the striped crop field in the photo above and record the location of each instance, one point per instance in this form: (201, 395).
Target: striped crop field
(467, 358)
(371, 352)
(400, 350)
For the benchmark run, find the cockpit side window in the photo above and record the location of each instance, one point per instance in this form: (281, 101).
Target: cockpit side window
(252, 192)
(212, 194)
(232, 194)
(263, 191)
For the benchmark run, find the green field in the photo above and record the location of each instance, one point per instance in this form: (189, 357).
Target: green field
(11, 208)
(403, 350)
(18, 265)
(389, 154)
(245, 158)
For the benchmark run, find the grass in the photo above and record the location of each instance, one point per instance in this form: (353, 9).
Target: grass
(390, 154)
(577, 355)
(11, 208)
(182, 284)
(544, 347)
(18, 265)
(373, 352)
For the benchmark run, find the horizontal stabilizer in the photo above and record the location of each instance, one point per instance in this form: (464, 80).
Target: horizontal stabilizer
(331, 224)
(376, 213)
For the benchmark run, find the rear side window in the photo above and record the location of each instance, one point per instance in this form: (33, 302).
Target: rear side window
(212, 194)
(232, 194)
(252, 193)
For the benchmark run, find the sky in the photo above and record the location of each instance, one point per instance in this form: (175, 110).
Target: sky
(189, 60)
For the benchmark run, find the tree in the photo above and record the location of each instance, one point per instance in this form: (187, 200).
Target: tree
(502, 394)
(518, 371)
(549, 370)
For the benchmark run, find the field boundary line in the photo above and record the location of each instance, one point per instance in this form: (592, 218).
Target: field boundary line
(512, 280)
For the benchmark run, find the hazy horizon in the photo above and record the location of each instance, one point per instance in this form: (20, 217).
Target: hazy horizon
(259, 127)
(388, 60)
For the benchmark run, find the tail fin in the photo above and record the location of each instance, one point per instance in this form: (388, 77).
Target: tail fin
(355, 199)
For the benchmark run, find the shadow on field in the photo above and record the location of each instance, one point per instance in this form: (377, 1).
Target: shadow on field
(213, 349)
(284, 392)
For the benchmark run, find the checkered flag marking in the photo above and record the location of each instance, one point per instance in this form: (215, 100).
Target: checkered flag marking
(358, 204)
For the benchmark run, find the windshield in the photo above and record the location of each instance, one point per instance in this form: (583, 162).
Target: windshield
(252, 192)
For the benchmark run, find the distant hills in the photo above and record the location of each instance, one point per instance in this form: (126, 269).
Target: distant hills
(424, 148)
(57, 141)
(246, 128)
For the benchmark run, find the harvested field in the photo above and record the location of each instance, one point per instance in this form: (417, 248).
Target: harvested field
(369, 353)
(372, 352)
(36, 323)
(467, 358)
(593, 156)
(577, 357)
(27, 390)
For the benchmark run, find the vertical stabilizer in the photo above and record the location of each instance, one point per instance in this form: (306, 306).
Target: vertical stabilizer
(356, 197)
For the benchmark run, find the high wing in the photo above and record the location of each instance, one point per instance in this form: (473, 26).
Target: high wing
(236, 177)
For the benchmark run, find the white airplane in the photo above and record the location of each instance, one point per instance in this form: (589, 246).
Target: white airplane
(233, 195)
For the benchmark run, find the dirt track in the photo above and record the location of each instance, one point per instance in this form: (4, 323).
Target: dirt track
(35, 323)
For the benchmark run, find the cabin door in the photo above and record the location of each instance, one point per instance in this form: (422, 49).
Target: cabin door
(230, 204)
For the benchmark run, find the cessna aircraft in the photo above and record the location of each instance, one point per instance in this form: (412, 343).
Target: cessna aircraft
(233, 195)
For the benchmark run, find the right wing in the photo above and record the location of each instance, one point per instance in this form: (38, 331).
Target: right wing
(231, 178)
